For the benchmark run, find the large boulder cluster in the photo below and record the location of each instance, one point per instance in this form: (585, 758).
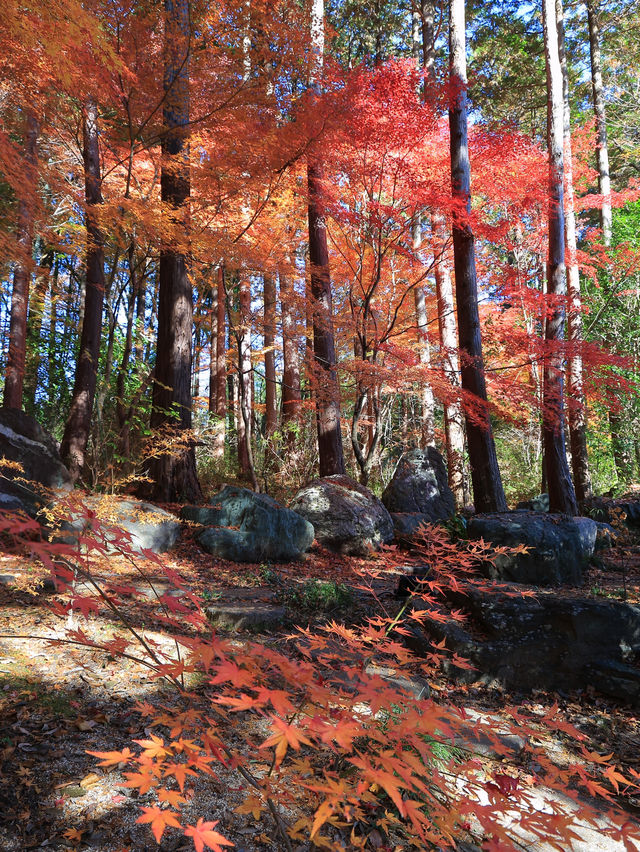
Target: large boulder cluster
(551, 641)
(242, 526)
(558, 547)
(32, 472)
(418, 492)
(347, 517)
(33, 479)
(119, 523)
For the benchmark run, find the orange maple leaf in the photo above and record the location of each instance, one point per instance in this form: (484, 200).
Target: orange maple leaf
(251, 805)
(173, 797)
(142, 781)
(112, 758)
(179, 772)
(285, 736)
(324, 812)
(203, 835)
(159, 820)
(153, 747)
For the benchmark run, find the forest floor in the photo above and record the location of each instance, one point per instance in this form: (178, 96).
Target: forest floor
(58, 703)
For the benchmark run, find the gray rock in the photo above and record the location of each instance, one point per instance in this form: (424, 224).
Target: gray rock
(416, 686)
(406, 524)
(536, 504)
(206, 516)
(11, 503)
(419, 485)
(560, 546)
(346, 516)
(150, 528)
(342, 668)
(631, 508)
(145, 526)
(24, 441)
(604, 510)
(412, 580)
(263, 530)
(606, 536)
(487, 734)
(547, 642)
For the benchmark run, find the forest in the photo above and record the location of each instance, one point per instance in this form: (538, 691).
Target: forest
(320, 425)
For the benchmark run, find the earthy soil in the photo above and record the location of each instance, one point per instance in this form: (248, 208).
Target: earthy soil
(56, 703)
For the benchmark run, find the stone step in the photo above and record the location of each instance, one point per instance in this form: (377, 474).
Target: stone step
(250, 609)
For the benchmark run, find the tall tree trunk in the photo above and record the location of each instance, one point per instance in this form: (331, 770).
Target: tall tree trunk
(562, 497)
(133, 346)
(488, 493)
(271, 412)
(121, 408)
(291, 393)
(37, 299)
(326, 386)
(308, 391)
(197, 354)
(427, 405)
(76, 433)
(422, 34)
(238, 301)
(424, 49)
(111, 302)
(577, 413)
(245, 380)
(16, 361)
(604, 186)
(138, 348)
(453, 414)
(602, 151)
(53, 347)
(221, 367)
(213, 350)
(174, 473)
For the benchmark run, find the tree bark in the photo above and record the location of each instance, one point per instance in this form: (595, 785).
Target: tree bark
(325, 383)
(174, 473)
(245, 380)
(138, 348)
(76, 433)
(291, 391)
(488, 493)
(121, 408)
(602, 151)
(423, 25)
(37, 299)
(422, 36)
(427, 405)
(604, 187)
(453, 414)
(221, 367)
(16, 360)
(577, 411)
(213, 350)
(560, 487)
(111, 302)
(271, 408)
